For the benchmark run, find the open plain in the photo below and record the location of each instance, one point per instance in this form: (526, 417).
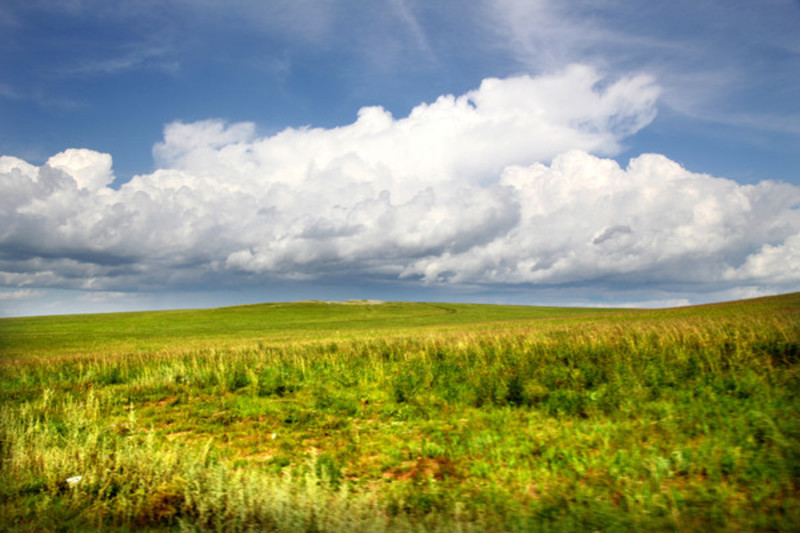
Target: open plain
(319, 416)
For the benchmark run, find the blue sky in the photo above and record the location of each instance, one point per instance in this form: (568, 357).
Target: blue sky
(196, 153)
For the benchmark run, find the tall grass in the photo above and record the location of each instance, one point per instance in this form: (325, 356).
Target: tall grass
(669, 420)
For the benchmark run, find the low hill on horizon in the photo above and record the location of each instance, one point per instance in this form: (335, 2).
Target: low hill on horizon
(242, 325)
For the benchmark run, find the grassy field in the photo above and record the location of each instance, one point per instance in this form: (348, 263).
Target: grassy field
(319, 416)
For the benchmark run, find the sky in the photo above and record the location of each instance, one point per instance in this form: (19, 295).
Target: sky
(194, 153)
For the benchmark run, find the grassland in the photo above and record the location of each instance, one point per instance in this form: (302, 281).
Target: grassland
(403, 417)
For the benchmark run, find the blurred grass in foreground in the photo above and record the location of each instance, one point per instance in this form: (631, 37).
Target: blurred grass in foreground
(403, 417)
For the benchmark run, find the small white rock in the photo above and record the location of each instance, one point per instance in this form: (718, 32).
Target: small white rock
(72, 481)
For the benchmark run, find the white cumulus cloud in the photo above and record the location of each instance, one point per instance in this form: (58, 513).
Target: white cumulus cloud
(502, 185)
(584, 218)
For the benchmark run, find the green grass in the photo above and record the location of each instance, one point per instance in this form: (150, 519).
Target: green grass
(244, 325)
(404, 417)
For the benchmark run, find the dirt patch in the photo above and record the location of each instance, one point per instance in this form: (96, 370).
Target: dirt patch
(261, 457)
(167, 401)
(177, 434)
(438, 468)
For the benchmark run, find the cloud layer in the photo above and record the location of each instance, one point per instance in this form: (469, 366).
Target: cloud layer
(505, 185)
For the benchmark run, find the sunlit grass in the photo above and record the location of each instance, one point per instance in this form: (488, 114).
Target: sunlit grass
(324, 417)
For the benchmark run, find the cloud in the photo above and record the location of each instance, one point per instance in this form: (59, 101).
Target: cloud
(779, 262)
(102, 296)
(584, 218)
(88, 169)
(21, 294)
(136, 56)
(711, 61)
(504, 185)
